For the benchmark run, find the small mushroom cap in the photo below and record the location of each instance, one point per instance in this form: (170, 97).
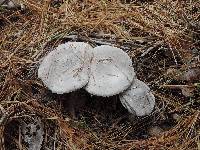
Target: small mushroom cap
(66, 68)
(111, 71)
(138, 99)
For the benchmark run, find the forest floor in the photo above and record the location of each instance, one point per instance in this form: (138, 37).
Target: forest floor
(162, 38)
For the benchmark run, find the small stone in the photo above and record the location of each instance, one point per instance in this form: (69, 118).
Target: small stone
(155, 131)
(176, 116)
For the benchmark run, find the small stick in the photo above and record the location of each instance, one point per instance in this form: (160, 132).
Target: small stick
(178, 86)
(4, 115)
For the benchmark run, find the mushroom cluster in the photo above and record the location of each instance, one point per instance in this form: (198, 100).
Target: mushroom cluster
(102, 71)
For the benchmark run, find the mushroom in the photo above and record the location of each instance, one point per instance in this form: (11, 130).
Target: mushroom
(102, 71)
(138, 99)
(66, 68)
(111, 71)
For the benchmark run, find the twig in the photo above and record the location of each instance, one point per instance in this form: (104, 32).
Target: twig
(4, 115)
(179, 86)
(151, 48)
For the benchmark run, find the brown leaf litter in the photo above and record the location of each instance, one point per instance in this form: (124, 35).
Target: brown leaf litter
(162, 38)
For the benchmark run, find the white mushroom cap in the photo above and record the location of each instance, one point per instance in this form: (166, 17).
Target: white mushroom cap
(138, 99)
(111, 71)
(66, 68)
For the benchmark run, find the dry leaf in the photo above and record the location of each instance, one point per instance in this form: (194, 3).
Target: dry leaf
(187, 91)
(192, 75)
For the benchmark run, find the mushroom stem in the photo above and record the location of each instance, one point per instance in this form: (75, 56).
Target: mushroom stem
(75, 101)
(72, 105)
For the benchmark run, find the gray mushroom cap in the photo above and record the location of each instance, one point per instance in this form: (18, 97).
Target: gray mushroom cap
(138, 99)
(111, 71)
(66, 68)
